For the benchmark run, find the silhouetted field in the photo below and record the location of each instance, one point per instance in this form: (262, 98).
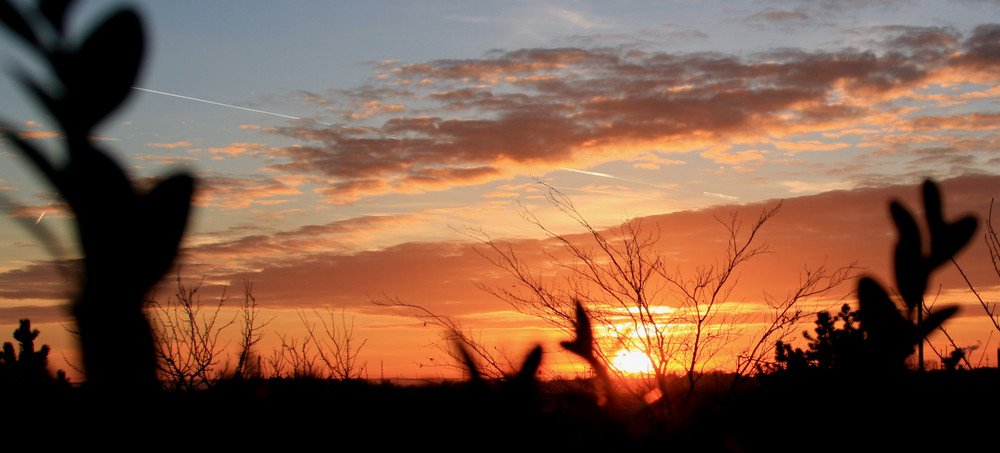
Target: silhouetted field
(819, 411)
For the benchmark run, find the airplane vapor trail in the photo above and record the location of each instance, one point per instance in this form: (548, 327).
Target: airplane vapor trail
(605, 175)
(43, 212)
(224, 105)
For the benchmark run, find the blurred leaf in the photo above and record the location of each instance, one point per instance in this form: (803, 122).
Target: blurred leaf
(13, 19)
(55, 12)
(935, 320)
(953, 237)
(932, 206)
(164, 212)
(469, 362)
(52, 104)
(946, 240)
(583, 344)
(530, 366)
(34, 155)
(911, 271)
(890, 335)
(105, 67)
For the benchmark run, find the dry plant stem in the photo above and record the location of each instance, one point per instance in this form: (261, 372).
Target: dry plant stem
(293, 360)
(990, 309)
(252, 332)
(497, 362)
(927, 310)
(993, 244)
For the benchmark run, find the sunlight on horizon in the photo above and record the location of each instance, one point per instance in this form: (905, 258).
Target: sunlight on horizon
(632, 362)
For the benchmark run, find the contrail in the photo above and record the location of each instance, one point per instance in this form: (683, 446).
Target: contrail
(43, 212)
(605, 175)
(252, 110)
(225, 105)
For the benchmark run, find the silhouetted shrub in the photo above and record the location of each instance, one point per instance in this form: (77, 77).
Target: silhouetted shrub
(26, 367)
(836, 344)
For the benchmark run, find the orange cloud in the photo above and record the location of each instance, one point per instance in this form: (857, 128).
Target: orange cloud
(237, 149)
(965, 122)
(722, 155)
(371, 108)
(182, 144)
(236, 193)
(163, 160)
(38, 134)
(792, 148)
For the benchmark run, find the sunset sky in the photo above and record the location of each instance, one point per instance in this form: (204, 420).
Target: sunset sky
(346, 152)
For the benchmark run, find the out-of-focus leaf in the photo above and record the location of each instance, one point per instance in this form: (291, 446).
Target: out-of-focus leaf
(105, 67)
(55, 12)
(583, 344)
(946, 240)
(951, 240)
(530, 366)
(911, 271)
(34, 155)
(932, 206)
(935, 320)
(13, 19)
(469, 362)
(163, 213)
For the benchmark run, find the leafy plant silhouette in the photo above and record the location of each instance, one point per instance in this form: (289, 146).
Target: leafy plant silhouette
(129, 238)
(891, 331)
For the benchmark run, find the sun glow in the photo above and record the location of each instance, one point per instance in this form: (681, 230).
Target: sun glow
(632, 362)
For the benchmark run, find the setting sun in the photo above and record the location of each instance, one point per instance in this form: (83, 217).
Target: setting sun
(632, 362)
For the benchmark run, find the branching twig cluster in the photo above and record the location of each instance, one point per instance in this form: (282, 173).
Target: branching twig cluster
(188, 338)
(333, 353)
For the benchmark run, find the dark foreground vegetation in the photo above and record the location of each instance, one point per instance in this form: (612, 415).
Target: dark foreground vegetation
(807, 409)
(849, 389)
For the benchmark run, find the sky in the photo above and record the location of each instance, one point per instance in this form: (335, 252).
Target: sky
(346, 152)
